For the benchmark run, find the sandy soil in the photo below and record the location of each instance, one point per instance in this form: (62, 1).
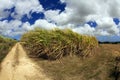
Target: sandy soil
(17, 66)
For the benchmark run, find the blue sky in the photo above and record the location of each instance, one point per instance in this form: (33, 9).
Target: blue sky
(97, 18)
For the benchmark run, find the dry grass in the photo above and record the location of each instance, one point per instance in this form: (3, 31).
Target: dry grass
(97, 67)
(55, 44)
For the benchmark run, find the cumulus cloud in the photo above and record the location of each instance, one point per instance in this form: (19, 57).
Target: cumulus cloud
(26, 6)
(5, 5)
(86, 29)
(13, 28)
(61, 19)
(78, 12)
(7, 27)
(44, 24)
(75, 16)
(106, 27)
(22, 7)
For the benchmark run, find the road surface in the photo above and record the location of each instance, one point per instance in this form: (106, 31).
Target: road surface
(18, 66)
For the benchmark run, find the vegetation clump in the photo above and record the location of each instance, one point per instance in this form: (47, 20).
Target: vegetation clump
(54, 44)
(5, 46)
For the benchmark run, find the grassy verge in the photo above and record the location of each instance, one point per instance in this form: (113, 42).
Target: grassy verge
(5, 45)
(98, 67)
(55, 44)
(74, 56)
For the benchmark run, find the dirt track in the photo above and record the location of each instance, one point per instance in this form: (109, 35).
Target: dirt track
(17, 66)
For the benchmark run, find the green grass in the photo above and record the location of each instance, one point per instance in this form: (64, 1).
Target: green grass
(54, 44)
(5, 45)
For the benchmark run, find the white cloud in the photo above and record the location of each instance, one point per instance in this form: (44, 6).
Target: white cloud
(14, 27)
(107, 26)
(75, 16)
(86, 29)
(25, 6)
(26, 26)
(78, 12)
(5, 5)
(95, 7)
(102, 33)
(60, 19)
(22, 7)
(7, 27)
(44, 24)
(62, 1)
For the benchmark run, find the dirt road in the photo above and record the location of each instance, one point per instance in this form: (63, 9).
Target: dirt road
(17, 66)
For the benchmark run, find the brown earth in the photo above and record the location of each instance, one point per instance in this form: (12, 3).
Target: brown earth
(18, 66)
(111, 48)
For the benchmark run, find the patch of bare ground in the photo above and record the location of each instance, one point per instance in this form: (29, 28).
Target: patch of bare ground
(18, 66)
